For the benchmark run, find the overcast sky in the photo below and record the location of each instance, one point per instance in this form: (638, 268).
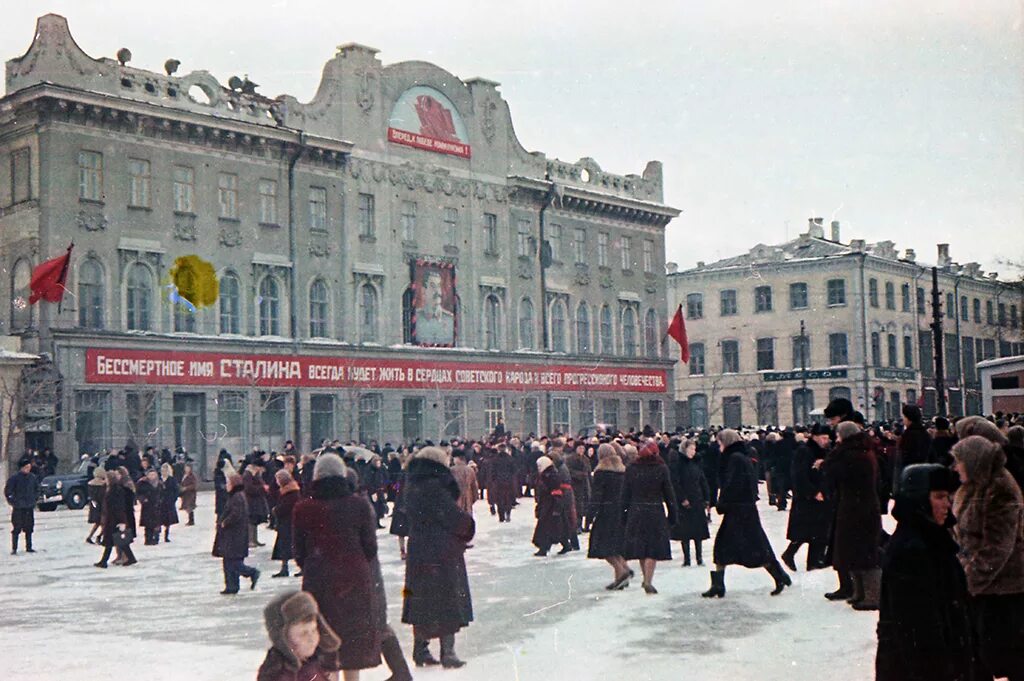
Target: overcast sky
(902, 120)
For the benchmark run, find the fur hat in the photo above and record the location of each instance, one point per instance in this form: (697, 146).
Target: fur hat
(649, 449)
(329, 466)
(25, 461)
(981, 458)
(728, 437)
(977, 425)
(292, 607)
(544, 463)
(435, 454)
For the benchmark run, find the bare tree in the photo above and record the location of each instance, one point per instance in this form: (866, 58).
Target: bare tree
(37, 384)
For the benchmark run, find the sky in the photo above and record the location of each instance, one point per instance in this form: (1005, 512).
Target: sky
(903, 121)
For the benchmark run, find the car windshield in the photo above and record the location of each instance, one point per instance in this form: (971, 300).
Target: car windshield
(82, 467)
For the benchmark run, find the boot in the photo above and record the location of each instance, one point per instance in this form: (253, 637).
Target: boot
(392, 652)
(857, 579)
(448, 659)
(871, 586)
(283, 572)
(789, 554)
(191, 518)
(14, 543)
(28, 543)
(844, 591)
(167, 536)
(421, 653)
(717, 589)
(782, 580)
(686, 553)
(698, 550)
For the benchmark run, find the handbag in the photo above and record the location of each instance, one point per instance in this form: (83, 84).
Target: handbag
(123, 538)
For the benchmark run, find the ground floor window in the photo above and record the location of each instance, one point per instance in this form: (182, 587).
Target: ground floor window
(369, 418)
(587, 418)
(232, 408)
(142, 415)
(273, 420)
(321, 419)
(531, 416)
(633, 414)
(767, 408)
(610, 414)
(92, 420)
(732, 411)
(698, 405)
(454, 417)
(803, 404)
(412, 418)
(494, 409)
(655, 415)
(560, 415)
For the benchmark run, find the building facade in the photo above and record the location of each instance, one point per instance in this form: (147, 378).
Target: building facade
(866, 312)
(384, 262)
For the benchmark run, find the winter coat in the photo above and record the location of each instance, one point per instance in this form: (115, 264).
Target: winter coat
(283, 516)
(280, 664)
(97, 490)
(649, 509)
(399, 516)
(691, 486)
(1015, 463)
(565, 478)
(915, 447)
(149, 496)
(232, 538)
(553, 525)
(256, 495)
(469, 488)
(579, 473)
(741, 539)
(781, 463)
(606, 532)
(810, 518)
(168, 501)
(923, 626)
(710, 461)
(501, 485)
(189, 487)
(942, 444)
(852, 475)
(436, 594)
(117, 510)
(220, 490)
(22, 490)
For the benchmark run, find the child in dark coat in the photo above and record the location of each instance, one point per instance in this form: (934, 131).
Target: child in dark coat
(303, 645)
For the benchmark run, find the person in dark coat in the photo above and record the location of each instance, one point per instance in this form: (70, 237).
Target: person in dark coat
(552, 519)
(1014, 450)
(648, 507)
(117, 520)
(220, 490)
(231, 543)
(97, 487)
(399, 517)
(709, 455)
(256, 495)
(21, 492)
(303, 645)
(811, 515)
(189, 488)
(605, 512)
(579, 472)
(334, 540)
(915, 443)
(741, 539)
(501, 483)
(942, 442)
(694, 497)
(437, 600)
(924, 631)
(781, 465)
(852, 475)
(168, 500)
(149, 492)
(288, 495)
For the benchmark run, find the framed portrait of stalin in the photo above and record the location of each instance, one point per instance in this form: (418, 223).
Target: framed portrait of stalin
(433, 304)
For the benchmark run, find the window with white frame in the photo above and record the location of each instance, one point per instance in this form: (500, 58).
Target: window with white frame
(648, 256)
(139, 298)
(230, 304)
(837, 292)
(633, 414)
(526, 340)
(558, 316)
(626, 249)
(694, 306)
(369, 418)
(494, 409)
(268, 202)
(317, 209)
(408, 221)
(227, 195)
(605, 324)
(368, 314)
(367, 215)
(232, 411)
(490, 233)
(583, 329)
(553, 233)
(602, 249)
(92, 420)
(139, 183)
(90, 295)
(696, 359)
(629, 332)
(318, 308)
(560, 415)
(655, 415)
(270, 306)
(451, 226)
(523, 238)
(587, 414)
(184, 317)
(651, 333)
(492, 322)
(90, 175)
(579, 245)
(454, 417)
(321, 418)
(184, 189)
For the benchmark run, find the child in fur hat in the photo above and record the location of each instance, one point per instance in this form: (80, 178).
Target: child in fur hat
(303, 645)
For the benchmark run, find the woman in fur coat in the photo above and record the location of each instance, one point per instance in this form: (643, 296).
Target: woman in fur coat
(648, 507)
(189, 488)
(288, 494)
(553, 525)
(606, 515)
(148, 491)
(694, 496)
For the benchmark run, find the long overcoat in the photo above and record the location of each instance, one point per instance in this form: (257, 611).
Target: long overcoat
(605, 510)
(501, 483)
(97, 490)
(552, 517)
(579, 473)
(149, 495)
(809, 518)
(232, 538)
(741, 539)
(283, 516)
(852, 475)
(648, 506)
(189, 487)
(691, 486)
(168, 502)
(116, 510)
(256, 495)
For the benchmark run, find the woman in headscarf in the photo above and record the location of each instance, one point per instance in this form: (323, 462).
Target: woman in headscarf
(648, 508)
(552, 520)
(606, 515)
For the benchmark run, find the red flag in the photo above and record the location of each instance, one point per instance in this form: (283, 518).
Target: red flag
(677, 330)
(48, 279)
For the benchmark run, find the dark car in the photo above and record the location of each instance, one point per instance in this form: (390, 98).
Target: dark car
(68, 488)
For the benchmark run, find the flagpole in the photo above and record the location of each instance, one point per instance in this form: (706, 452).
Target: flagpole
(64, 276)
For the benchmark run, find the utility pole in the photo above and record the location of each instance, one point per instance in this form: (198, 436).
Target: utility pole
(803, 374)
(940, 372)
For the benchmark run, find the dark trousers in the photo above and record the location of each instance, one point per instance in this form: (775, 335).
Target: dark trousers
(998, 623)
(698, 546)
(23, 520)
(233, 569)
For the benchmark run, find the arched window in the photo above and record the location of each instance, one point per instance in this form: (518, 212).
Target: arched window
(184, 318)
(651, 334)
(558, 316)
(698, 411)
(21, 311)
(318, 310)
(407, 299)
(90, 295)
(492, 322)
(270, 307)
(367, 314)
(526, 324)
(629, 332)
(139, 297)
(607, 341)
(582, 329)
(230, 310)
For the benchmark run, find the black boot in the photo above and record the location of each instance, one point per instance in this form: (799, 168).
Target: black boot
(686, 553)
(789, 554)
(28, 543)
(167, 535)
(393, 657)
(857, 579)
(14, 543)
(283, 572)
(717, 589)
(191, 518)
(871, 584)
(698, 550)
(782, 580)
(844, 591)
(421, 653)
(448, 659)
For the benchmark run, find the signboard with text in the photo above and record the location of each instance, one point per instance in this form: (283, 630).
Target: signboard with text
(898, 374)
(425, 119)
(809, 374)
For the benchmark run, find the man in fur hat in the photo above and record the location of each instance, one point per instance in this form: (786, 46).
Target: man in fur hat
(21, 491)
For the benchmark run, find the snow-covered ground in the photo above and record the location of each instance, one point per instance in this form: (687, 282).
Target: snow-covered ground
(536, 618)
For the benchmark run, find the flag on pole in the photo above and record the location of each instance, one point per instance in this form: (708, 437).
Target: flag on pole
(677, 330)
(48, 279)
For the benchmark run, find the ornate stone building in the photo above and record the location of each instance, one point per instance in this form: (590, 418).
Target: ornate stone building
(376, 258)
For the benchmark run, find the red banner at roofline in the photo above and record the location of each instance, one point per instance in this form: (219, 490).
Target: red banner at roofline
(412, 139)
(144, 367)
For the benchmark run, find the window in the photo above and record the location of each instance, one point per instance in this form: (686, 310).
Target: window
(950, 306)
(801, 352)
(142, 412)
(92, 420)
(184, 189)
(728, 299)
(905, 297)
(321, 419)
(318, 301)
(730, 357)
(626, 249)
(893, 350)
(558, 315)
(21, 311)
(602, 249)
(989, 317)
(651, 334)
(227, 195)
(184, 318)
(767, 408)
(523, 249)
(369, 418)
(492, 322)
(494, 409)
(655, 415)
(696, 359)
(610, 414)
(579, 246)
(588, 416)
(633, 414)
(839, 393)
(837, 349)
(269, 300)
(582, 329)
(21, 175)
(454, 416)
(607, 341)
(451, 226)
(763, 299)
(1002, 314)
(90, 295)
(798, 296)
(408, 221)
(629, 332)
(908, 352)
(694, 306)
(837, 292)
(765, 354)
(367, 215)
(698, 406)
(367, 314)
(977, 311)
(648, 256)
(926, 351)
(268, 202)
(876, 349)
(531, 416)
(232, 411)
(732, 411)
(230, 318)
(273, 419)
(873, 292)
(412, 418)
(890, 296)
(139, 183)
(803, 404)
(969, 361)
(554, 236)
(490, 233)
(952, 352)
(90, 176)
(964, 309)
(920, 300)
(1013, 316)
(317, 209)
(560, 415)
(526, 341)
(139, 298)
